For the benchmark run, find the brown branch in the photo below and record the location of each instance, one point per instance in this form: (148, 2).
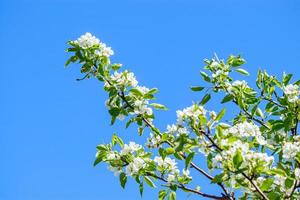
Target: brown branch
(183, 187)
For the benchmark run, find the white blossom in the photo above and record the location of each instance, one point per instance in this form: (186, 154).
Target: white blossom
(131, 148)
(246, 129)
(290, 150)
(167, 164)
(292, 92)
(125, 78)
(87, 40)
(112, 155)
(141, 107)
(171, 178)
(217, 161)
(115, 170)
(153, 141)
(134, 167)
(142, 89)
(193, 111)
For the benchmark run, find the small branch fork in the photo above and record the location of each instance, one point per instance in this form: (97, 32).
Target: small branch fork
(245, 175)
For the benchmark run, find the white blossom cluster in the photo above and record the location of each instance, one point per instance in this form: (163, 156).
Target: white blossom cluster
(113, 155)
(130, 148)
(292, 92)
(290, 150)
(141, 107)
(153, 141)
(251, 159)
(123, 79)
(246, 129)
(167, 165)
(280, 182)
(134, 167)
(236, 84)
(88, 40)
(194, 112)
(177, 130)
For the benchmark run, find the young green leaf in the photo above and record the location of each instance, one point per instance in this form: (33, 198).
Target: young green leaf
(123, 179)
(159, 106)
(149, 182)
(205, 99)
(197, 88)
(242, 71)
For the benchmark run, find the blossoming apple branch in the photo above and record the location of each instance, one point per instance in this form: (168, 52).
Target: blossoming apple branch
(258, 154)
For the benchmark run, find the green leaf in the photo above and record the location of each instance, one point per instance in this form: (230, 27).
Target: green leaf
(205, 76)
(289, 182)
(141, 188)
(114, 111)
(116, 66)
(115, 139)
(259, 113)
(159, 106)
(153, 91)
(266, 184)
(286, 78)
(209, 161)
(205, 99)
(227, 98)
(189, 159)
(149, 182)
(170, 150)
(71, 60)
(218, 178)
(162, 194)
(172, 196)
(136, 92)
(123, 179)
(197, 88)
(221, 114)
(99, 157)
(242, 71)
(277, 171)
(237, 159)
(235, 61)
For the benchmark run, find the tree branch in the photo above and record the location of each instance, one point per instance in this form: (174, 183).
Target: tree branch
(183, 187)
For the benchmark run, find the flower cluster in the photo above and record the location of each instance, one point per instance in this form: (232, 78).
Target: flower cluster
(87, 41)
(292, 92)
(122, 79)
(130, 148)
(193, 112)
(250, 159)
(177, 130)
(134, 167)
(246, 129)
(290, 150)
(167, 165)
(153, 141)
(141, 107)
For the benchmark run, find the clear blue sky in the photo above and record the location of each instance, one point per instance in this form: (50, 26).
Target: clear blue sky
(50, 124)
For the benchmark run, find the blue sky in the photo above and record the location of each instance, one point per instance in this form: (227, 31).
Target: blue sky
(50, 124)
